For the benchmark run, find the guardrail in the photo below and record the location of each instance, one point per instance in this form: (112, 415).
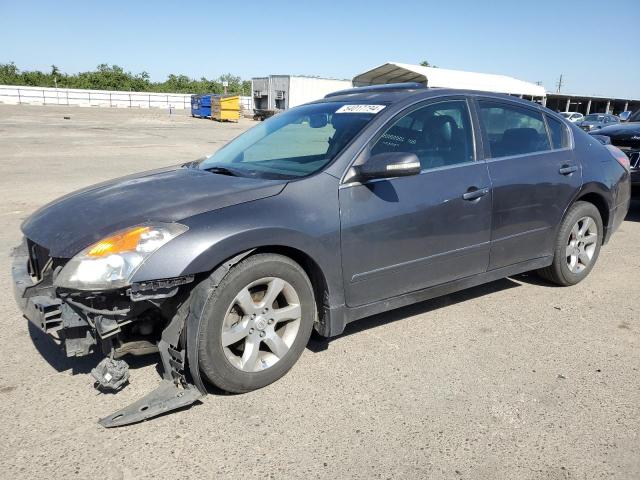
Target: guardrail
(18, 95)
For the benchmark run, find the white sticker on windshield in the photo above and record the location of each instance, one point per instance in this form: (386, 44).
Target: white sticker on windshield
(360, 109)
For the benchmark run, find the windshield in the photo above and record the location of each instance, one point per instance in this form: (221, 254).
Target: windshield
(635, 117)
(594, 118)
(295, 143)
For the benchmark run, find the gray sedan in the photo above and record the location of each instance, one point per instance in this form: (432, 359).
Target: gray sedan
(370, 199)
(596, 121)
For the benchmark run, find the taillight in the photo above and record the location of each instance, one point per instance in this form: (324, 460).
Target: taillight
(620, 156)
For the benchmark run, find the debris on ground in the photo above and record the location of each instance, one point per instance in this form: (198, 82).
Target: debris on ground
(111, 374)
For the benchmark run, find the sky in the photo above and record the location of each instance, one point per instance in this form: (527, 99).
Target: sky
(593, 44)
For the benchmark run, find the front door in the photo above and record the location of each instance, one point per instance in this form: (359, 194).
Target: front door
(404, 234)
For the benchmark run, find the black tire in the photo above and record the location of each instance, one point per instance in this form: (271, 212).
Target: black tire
(213, 362)
(559, 272)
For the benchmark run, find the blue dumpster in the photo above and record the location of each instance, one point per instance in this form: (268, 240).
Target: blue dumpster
(201, 106)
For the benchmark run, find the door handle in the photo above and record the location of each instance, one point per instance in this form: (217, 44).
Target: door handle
(567, 169)
(473, 193)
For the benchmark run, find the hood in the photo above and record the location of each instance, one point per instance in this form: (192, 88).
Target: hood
(75, 221)
(623, 135)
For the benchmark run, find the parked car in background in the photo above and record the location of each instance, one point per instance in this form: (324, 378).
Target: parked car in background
(624, 116)
(596, 121)
(626, 136)
(573, 116)
(370, 199)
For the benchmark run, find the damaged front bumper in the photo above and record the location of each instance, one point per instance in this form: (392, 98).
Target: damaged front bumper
(81, 328)
(45, 310)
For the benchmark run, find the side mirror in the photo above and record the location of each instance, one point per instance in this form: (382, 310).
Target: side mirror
(624, 116)
(389, 165)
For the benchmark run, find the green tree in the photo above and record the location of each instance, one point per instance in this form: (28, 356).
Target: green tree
(425, 63)
(9, 74)
(114, 77)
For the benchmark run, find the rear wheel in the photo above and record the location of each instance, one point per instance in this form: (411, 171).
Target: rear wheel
(577, 245)
(256, 323)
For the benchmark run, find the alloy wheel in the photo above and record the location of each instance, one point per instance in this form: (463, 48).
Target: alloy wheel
(581, 245)
(261, 324)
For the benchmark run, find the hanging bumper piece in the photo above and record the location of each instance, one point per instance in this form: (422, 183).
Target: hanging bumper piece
(175, 391)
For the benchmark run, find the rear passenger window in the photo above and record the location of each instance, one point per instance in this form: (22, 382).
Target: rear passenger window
(559, 135)
(439, 134)
(513, 130)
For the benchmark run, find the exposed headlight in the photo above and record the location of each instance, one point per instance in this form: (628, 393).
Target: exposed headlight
(111, 262)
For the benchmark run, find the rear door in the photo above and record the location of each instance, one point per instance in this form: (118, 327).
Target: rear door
(534, 177)
(404, 234)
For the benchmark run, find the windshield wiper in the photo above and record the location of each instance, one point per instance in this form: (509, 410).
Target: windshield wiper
(224, 171)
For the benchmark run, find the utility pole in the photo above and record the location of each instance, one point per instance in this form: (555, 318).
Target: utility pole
(559, 84)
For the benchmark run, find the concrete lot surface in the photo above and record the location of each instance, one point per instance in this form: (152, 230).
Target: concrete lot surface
(512, 380)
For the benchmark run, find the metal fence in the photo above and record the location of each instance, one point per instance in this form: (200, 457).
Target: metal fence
(11, 94)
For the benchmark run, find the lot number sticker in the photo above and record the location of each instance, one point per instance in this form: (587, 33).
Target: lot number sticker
(360, 109)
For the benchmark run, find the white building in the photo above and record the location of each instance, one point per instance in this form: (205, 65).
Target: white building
(279, 92)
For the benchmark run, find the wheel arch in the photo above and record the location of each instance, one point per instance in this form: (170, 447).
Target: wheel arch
(599, 202)
(599, 196)
(318, 257)
(314, 272)
(322, 290)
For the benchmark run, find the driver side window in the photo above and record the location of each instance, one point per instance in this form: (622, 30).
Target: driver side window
(438, 134)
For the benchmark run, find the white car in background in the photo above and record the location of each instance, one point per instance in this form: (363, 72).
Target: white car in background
(624, 116)
(573, 116)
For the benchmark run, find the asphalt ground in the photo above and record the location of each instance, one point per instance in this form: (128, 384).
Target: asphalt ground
(516, 379)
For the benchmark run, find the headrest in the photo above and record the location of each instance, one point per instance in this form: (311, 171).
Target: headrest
(440, 130)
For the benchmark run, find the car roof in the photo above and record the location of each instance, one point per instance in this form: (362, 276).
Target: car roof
(387, 94)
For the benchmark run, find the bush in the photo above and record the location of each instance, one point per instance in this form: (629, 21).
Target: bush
(113, 77)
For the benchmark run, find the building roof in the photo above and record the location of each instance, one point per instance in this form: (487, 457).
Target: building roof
(393, 72)
(592, 97)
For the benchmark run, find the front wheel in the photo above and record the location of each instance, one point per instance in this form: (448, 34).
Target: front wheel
(577, 245)
(256, 323)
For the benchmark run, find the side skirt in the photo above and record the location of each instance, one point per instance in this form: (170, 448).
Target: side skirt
(351, 314)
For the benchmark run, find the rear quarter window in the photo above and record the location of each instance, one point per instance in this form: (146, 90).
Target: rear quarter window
(559, 133)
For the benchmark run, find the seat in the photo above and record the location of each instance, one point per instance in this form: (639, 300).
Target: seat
(441, 142)
(519, 140)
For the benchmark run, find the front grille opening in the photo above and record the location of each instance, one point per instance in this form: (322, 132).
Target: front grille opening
(38, 259)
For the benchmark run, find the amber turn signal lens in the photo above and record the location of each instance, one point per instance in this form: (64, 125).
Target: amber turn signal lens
(121, 242)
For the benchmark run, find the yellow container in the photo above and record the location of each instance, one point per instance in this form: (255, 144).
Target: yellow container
(225, 108)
